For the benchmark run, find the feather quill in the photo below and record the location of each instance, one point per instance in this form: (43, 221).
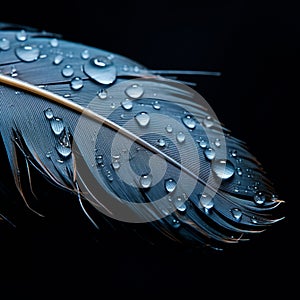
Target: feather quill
(138, 146)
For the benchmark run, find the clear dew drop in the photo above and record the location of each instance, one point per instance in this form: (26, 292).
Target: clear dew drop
(54, 43)
(57, 125)
(142, 119)
(28, 53)
(127, 104)
(146, 181)
(102, 94)
(208, 122)
(189, 122)
(161, 143)
(175, 223)
(101, 69)
(224, 169)
(210, 153)
(125, 68)
(180, 137)
(58, 59)
(239, 171)
(217, 142)
(206, 201)
(180, 205)
(49, 113)
(109, 176)
(170, 185)
(85, 54)
(67, 71)
(63, 150)
(21, 35)
(156, 105)
(134, 91)
(169, 128)
(76, 83)
(202, 143)
(4, 44)
(237, 214)
(259, 198)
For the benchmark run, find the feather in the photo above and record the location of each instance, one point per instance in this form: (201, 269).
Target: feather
(134, 143)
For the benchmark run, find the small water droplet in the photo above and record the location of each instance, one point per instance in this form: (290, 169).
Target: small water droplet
(85, 54)
(210, 153)
(142, 119)
(169, 128)
(112, 105)
(67, 71)
(127, 104)
(233, 153)
(239, 171)
(180, 137)
(54, 43)
(136, 69)
(146, 181)
(102, 94)
(237, 214)
(170, 185)
(13, 72)
(208, 122)
(217, 142)
(236, 189)
(49, 113)
(206, 201)
(28, 53)
(109, 176)
(58, 59)
(116, 164)
(57, 125)
(224, 169)
(189, 122)
(63, 150)
(101, 69)
(125, 68)
(254, 220)
(161, 143)
(4, 44)
(76, 83)
(156, 105)
(259, 198)
(175, 223)
(202, 143)
(48, 154)
(99, 160)
(134, 91)
(21, 35)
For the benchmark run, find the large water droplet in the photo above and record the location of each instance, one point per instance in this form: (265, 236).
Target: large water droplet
(57, 125)
(142, 119)
(4, 44)
(146, 181)
(21, 35)
(189, 122)
(76, 83)
(49, 113)
(101, 69)
(58, 59)
(67, 71)
(224, 169)
(206, 201)
(170, 185)
(180, 137)
(210, 153)
(208, 122)
(28, 53)
(259, 198)
(237, 214)
(134, 91)
(127, 104)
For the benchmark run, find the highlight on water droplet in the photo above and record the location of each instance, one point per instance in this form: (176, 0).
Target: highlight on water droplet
(189, 122)
(237, 214)
(170, 185)
(21, 35)
(206, 201)
(134, 91)
(142, 119)
(224, 169)
(28, 53)
(146, 181)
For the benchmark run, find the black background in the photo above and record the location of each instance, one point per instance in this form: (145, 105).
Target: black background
(255, 44)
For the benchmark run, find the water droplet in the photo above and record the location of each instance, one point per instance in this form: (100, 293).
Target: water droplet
(210, 153)
(169, 128)
(206, 201)
(189, 122)
(99, 160)
(239, 171)
(170, 185)
(113, 105)
(259, 198)
(85, 54)
(102, 94)
(63, 150)
(224, 169)
(58, 59)
(146, 181)
(202, 143)
(54, 43)
(48, 154)
(156, 105)
(134, 91)
(116, 164)
(127, 104)
(237, 214)
(161, 143)
(101, 69)
(217, 142)
(67, 71)
(13, 72)
(28, 53)
(180, 205)
(4, 44)
(142, 119)
(208, 122)
(57, 125)
(180, 137)
(233, 153)
(125, 68)
(136, 69)
(49, 113)
(21, 35)
(76, 83)
(254, 220)
(109, 176)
